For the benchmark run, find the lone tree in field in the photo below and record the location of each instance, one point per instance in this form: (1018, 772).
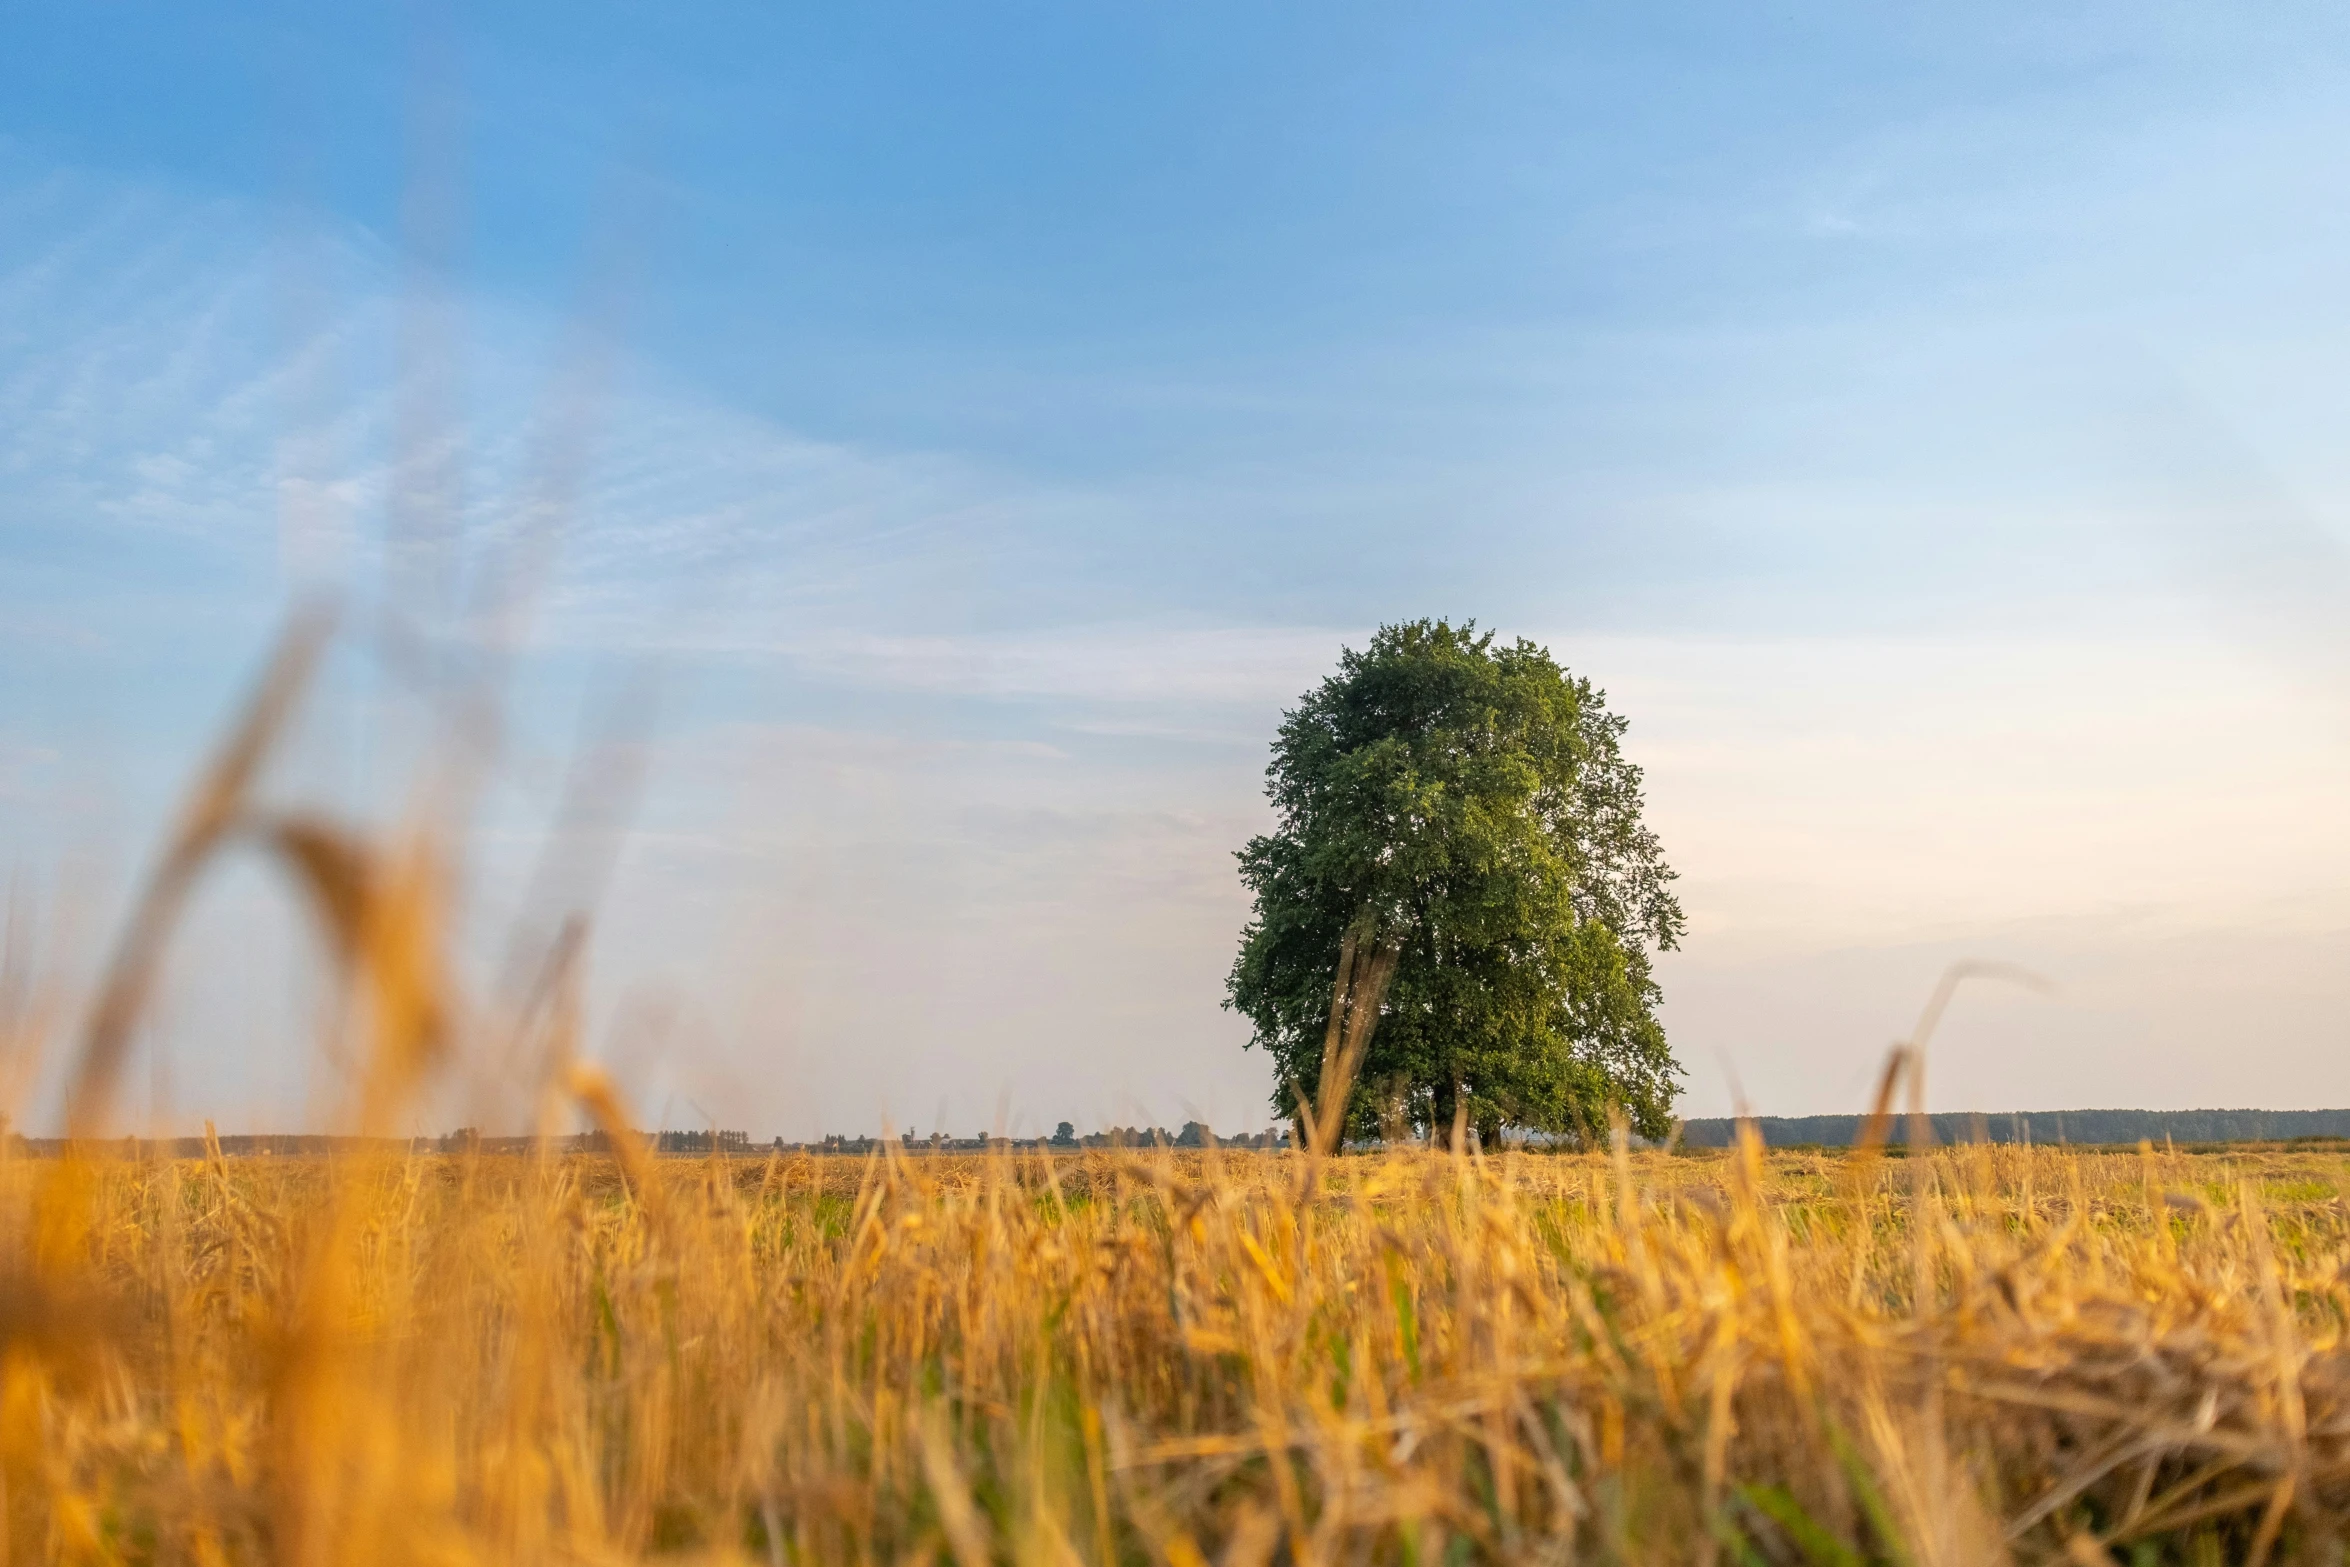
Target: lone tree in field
(1460, 849)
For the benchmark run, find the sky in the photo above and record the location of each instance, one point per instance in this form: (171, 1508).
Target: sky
(917, 452)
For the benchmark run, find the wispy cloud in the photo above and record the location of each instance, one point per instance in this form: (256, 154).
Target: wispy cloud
(1124, 665)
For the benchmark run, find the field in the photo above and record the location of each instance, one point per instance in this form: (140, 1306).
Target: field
(1415, 1357)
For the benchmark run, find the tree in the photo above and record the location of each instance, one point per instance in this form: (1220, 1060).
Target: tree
(1461, 817)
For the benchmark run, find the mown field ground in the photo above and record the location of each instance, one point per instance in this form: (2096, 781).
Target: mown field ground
(1979, 1355)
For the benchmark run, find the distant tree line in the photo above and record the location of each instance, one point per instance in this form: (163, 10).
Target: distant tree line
(2089, 1127)
(1065, 1138)
(2086, 1128)
(470, 1140)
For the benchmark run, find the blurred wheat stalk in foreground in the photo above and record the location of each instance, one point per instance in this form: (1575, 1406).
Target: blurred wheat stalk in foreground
(1419, 1357)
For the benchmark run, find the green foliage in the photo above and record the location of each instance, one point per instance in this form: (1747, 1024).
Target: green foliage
(1469, 803)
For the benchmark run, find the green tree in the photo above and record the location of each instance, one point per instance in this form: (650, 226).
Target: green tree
(1464, 811)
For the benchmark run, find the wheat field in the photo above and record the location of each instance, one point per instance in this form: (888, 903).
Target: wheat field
(1986, 1354)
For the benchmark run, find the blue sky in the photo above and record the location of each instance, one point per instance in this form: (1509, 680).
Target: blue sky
(980, 421)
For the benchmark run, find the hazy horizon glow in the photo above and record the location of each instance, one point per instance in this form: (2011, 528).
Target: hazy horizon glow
(970, 437)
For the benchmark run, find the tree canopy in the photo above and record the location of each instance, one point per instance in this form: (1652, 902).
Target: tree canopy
(1467, 807)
